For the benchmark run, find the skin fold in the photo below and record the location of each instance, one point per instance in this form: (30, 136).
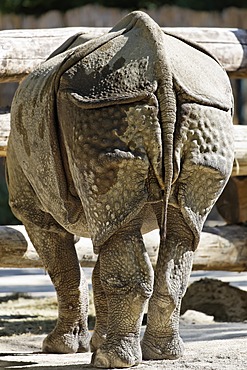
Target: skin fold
(111, 138)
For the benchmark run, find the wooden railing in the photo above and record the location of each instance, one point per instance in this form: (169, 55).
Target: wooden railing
(220, 248)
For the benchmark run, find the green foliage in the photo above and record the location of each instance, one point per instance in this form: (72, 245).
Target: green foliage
(41, 6)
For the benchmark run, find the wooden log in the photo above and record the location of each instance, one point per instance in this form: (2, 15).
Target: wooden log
(240, 137)
(16, 249)
(22, 50)
(221, 248)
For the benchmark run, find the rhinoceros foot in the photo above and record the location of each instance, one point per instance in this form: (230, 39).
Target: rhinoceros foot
(165, 348)
(118, 353)
(57, 342)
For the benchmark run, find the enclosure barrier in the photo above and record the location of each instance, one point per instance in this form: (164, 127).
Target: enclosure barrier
(220, 248)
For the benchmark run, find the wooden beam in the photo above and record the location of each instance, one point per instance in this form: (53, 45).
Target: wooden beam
(221, 248)
(16, 249)
(240, 137)
(22, 50)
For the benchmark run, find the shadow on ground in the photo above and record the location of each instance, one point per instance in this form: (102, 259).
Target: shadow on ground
(22, 365)
(22, 314)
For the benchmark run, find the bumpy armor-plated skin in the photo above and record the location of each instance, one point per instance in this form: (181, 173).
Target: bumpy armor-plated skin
(111, 137)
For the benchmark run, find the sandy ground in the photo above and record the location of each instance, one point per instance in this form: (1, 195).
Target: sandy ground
(207, 346)
(23, 323)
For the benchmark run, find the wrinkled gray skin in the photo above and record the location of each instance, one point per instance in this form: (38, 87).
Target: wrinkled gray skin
(109, 139)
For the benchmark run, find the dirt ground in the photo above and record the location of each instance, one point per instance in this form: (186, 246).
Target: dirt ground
(25, 320)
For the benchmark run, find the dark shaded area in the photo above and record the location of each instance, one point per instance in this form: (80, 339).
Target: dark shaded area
(25, 324)
(13, 364)
(21, 364)
(28, 324)
(38, 7)
(14, 297)
(6, 216)
(18, 324)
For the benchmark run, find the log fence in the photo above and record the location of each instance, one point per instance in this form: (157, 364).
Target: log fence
(220, 248)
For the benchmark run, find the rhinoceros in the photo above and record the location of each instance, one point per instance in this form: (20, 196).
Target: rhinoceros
(111, 138)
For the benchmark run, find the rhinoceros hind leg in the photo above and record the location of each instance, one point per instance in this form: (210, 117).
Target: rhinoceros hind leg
(56, 249)
(126, 277)
(161, 339)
